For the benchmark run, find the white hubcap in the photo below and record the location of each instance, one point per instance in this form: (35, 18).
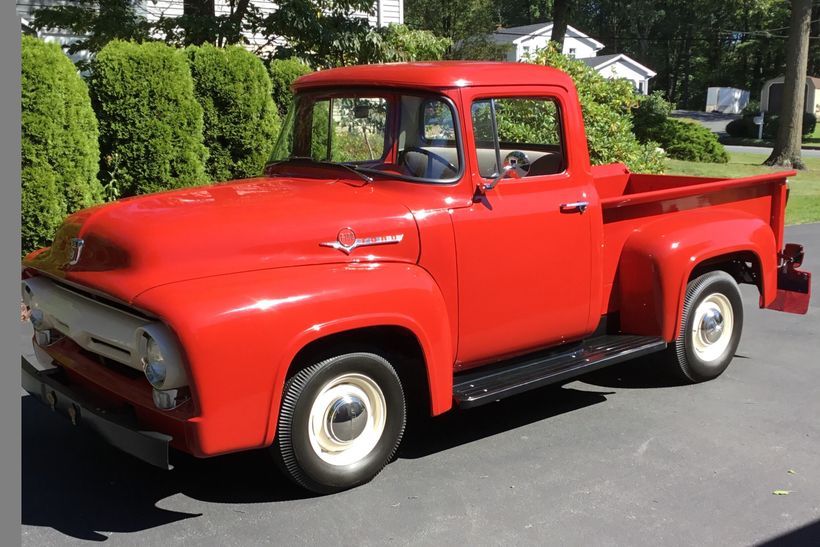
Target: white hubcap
(712, 327)
(347, 419)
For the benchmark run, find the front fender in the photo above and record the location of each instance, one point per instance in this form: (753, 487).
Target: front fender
(658, 259)
(240, 333)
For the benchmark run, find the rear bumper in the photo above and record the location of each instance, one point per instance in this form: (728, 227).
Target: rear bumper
(793, 285)
(117, 426)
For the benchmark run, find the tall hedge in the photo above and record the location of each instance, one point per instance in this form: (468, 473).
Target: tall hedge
(58, 142)
(150, 121)
(241, 120)
(282, 73)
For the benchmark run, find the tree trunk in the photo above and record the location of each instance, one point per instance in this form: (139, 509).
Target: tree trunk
(787, 144)
(199, 15)
(560, 16)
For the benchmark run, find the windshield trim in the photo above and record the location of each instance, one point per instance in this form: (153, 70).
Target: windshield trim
(386, 91)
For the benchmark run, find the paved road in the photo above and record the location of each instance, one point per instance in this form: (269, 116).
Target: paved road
(714, 121)
(806, 153)
(618, 458)
(717, 122)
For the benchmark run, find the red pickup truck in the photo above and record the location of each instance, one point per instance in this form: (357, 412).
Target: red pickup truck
(425, 236)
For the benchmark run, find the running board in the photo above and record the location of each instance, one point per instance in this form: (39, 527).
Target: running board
(494, 382)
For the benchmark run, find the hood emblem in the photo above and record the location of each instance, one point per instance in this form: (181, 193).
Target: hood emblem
(346, 241)
(76, 250)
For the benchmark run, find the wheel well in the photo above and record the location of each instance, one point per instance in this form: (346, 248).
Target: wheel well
(396, 344)
(744, 266)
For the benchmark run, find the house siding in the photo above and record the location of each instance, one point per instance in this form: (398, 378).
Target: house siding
(582, 49)
(618, 70)
(392, 11)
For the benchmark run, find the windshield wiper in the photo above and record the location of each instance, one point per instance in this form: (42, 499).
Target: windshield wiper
(351, 168)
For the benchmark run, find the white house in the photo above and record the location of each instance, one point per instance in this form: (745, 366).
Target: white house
(620, 66)
(527, 39)
(384, 13)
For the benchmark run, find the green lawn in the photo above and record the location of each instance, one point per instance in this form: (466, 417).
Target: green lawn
(804, 199)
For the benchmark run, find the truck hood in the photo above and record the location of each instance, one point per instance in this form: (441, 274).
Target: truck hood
(134, 244)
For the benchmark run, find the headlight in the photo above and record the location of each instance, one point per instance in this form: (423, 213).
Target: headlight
(160, 358)
(153, 364)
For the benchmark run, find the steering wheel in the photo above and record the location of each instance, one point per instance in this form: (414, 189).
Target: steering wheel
(431, 156)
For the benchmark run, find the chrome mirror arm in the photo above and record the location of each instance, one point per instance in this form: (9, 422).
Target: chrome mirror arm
(497, 178)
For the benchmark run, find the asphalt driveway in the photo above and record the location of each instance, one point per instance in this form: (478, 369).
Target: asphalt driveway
(618, 458)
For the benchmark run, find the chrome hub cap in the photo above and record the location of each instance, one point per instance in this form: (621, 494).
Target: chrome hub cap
(347, 419)
(712, 327)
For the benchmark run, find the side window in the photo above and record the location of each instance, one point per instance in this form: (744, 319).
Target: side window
(523, 132)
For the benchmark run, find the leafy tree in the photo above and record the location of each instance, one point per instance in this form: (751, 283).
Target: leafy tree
(323, 32)
(466, 23)
(400, 43)
(240, 118)
(58, 142)
(606, 106)
(150, 121)
(96, 22)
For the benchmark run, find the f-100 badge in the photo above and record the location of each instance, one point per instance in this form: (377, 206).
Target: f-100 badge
(346, 241)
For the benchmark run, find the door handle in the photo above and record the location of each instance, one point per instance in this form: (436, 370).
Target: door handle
(577, 206)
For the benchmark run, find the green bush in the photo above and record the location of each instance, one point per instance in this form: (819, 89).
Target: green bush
(606, 106)
(743, 127)
(241, 120)
(652, 110)
(688, 141)
(680, 140)
(59, 146)
(751, 109)
(150, 122)
(282, 73)
(771, 122)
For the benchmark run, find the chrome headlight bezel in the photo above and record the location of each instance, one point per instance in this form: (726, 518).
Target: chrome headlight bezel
(170, 361)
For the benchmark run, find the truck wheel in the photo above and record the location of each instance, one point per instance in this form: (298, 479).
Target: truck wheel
(341, 422)
(710, 327)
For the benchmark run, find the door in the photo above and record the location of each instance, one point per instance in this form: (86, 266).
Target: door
(524, 249)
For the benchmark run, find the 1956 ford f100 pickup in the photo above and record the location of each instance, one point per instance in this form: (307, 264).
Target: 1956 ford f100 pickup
(425, 236)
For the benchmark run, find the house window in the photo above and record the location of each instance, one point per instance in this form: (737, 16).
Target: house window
(572, 52)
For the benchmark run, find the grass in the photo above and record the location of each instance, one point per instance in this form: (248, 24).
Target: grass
(804, 199)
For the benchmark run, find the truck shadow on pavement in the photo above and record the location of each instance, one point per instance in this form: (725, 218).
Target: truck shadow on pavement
(76, 484)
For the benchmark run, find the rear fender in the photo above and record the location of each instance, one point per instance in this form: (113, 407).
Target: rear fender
(658, 259)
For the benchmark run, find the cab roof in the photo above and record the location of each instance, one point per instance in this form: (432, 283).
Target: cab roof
(436, 75)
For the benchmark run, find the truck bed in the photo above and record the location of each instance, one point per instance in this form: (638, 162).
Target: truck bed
(631, 202)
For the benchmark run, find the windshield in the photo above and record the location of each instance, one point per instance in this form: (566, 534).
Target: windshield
(407, 136)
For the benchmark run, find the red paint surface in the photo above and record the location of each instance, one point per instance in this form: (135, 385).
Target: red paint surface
(237, 271)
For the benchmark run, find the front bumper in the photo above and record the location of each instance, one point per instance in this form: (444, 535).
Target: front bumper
(117, 426)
